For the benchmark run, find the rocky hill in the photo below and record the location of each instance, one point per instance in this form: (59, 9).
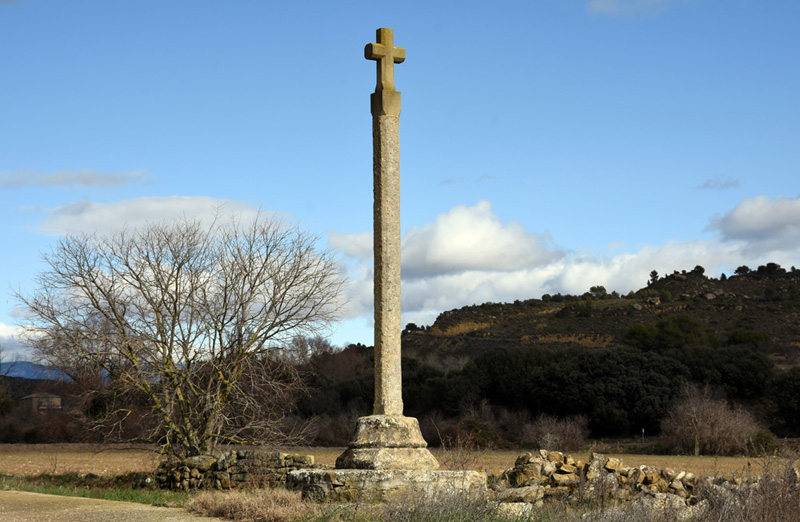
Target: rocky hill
(759, 308)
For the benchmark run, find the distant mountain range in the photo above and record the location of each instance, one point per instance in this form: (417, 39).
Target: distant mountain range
(29, 370)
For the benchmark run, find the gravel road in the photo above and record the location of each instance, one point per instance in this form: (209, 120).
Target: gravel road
(18, 506)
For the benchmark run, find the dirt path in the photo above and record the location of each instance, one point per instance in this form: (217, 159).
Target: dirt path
(19, 506)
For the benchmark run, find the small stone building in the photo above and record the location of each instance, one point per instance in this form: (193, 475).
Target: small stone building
(40, 402)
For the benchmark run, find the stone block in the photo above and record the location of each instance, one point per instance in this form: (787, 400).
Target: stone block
(515, 510)
(555, 456)
(556, 492)
(568, 479)
(516, 478)
(567, 468)
(651, 475)
(366, 485)
(303, 460)
(525, 494)
(523, 459)
(534, 469)
(597, 461)
(613, 464)
(201, 462)
(548, 468)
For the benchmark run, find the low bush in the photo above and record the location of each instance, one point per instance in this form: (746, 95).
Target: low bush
(552, 433)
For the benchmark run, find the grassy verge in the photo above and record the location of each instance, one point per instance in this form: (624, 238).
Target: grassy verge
(122, 488)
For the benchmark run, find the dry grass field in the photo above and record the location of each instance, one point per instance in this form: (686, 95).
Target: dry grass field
(100, 459)
(115, 459)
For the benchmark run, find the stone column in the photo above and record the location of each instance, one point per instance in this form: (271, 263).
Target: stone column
(386, 246)
(387, 439)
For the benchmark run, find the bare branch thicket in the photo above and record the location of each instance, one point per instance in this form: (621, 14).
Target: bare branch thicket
(180, 318)
(553, 433)
(302, 349)
(702, 423)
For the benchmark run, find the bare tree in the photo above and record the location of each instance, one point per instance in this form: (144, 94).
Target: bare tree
(701, 423)
(180, 317)
(304, 348)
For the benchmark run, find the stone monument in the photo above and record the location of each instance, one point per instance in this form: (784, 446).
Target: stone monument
(387, 439)
(387, 456)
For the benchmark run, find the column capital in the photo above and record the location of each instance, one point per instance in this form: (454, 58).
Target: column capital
(385, 103)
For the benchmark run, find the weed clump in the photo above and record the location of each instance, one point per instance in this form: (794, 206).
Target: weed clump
(257, 505)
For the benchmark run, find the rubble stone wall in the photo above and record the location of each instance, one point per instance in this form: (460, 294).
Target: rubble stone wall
(231, 470)
(536, 477)
(552, 475)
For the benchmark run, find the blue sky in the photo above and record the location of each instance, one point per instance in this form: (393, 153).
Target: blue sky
(546, 146)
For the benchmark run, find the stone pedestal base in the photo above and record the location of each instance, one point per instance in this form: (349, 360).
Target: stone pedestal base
(361, 485)
(387, 442)
(387, 460)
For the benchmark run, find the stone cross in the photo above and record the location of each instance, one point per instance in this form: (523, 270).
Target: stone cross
(387, 440)
(386, 209)
(386, 54)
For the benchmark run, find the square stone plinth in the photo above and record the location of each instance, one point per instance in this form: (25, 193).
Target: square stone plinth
(387, 442)
(387, 459)
(363, 485)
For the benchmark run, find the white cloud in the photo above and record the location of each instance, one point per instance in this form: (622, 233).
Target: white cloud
(467, 253)
(70, 178)
(629, 7)
(763, 224)
(13, 350)
(472, 238)
(630, 270)
(89, 216)
(352, 245)
(468, 256)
